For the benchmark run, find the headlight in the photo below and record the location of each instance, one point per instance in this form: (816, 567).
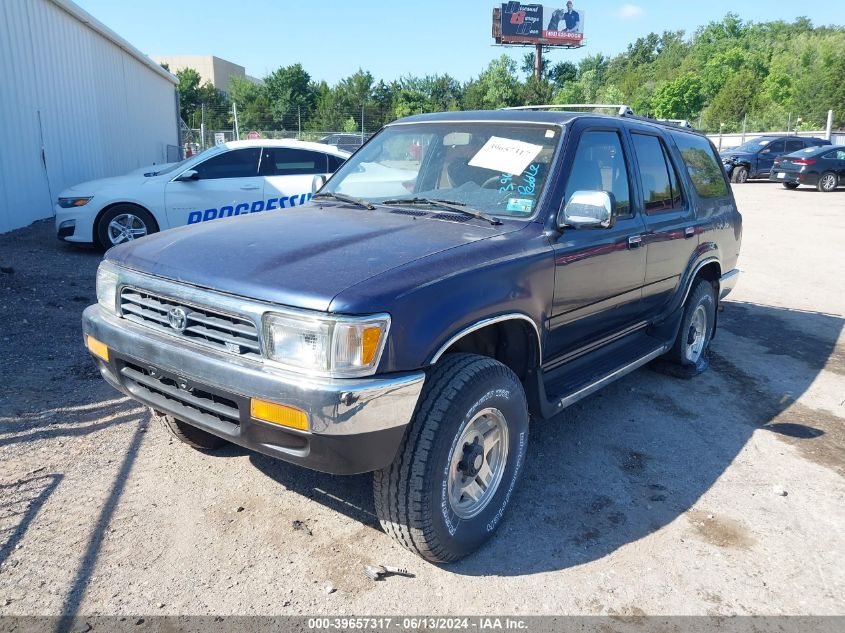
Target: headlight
(107, 287)
(340, 346)
(69, 203)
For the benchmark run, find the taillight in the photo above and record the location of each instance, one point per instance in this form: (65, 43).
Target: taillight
(804, 161)
(777, 161)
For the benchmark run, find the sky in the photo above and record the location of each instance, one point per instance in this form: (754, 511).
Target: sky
(333, 38)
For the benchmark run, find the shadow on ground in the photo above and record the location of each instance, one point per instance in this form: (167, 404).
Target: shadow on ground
(637, 455)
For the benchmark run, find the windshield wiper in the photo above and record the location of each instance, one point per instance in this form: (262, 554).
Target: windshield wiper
(344, 198)
(453, 205)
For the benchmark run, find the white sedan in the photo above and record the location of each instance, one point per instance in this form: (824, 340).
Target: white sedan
(230, 179)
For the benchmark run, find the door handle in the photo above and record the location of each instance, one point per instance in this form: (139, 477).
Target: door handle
(249, 187)
(689, 232)
(634, 241)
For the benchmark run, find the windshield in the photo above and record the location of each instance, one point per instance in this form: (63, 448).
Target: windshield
(752, 146)
(496, 168)
(188, 161)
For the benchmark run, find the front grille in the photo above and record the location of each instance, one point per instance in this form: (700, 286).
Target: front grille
(203, 325)
(189, 400)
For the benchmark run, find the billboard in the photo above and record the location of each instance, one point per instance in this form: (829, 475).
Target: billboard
(541, 24)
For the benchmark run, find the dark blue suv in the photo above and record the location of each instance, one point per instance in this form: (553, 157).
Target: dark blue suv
(460, 273)
(755, 158)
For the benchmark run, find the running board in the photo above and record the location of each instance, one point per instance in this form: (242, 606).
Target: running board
(609, 378)
(585, 375)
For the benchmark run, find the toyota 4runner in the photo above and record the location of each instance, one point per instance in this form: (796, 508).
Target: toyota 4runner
(459, 274)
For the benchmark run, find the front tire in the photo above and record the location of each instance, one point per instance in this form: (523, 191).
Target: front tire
(190, 435)
(739, 174)
(698, 324)
(454, 474)
(827, 182)
(124, 223)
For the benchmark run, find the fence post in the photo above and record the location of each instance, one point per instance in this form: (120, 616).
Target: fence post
(299, 123)
(235, 114)
(721, 125)
(744, 121)
(829, 127)
(202, 128)
(362, 123)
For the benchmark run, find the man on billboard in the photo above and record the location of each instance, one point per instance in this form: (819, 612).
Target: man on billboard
(570, 17)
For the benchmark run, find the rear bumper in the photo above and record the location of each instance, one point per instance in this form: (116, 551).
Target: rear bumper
(727, 282)
(355, 425)
(794, 177)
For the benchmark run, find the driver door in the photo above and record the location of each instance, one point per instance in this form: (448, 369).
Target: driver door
(599, 273)
(226, 184)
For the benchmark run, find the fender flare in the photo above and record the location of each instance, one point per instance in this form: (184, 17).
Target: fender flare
(482, 323)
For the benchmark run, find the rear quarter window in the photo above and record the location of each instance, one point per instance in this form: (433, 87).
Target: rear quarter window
(704, 170)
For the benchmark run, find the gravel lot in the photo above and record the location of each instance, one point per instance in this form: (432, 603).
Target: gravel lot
(720, 495)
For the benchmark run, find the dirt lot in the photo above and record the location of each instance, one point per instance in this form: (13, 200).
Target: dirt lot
(720, 495)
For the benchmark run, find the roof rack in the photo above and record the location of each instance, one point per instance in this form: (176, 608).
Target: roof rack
(621, 110)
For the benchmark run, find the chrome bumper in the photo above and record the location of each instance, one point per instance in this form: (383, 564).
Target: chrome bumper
(337, 409)
(727, 282)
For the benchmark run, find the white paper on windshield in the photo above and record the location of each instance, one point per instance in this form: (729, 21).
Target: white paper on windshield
(506, 155)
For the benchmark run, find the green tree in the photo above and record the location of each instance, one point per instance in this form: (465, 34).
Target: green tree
(189, 95)
(679, 99)
(291, 95)
(254, 112)
(496, 87)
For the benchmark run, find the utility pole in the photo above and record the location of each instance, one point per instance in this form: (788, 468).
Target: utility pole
(362, 123)
(829, 127)
(202, 127)
(235, 115)
(538, 61)
(744, 122)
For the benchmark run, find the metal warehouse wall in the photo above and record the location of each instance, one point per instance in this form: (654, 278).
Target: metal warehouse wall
(74, 106)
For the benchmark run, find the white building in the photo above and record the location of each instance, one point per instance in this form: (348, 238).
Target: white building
(77, 102)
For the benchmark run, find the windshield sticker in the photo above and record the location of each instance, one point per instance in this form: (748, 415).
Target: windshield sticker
(506, 155)
(522, 205)
(550, 133)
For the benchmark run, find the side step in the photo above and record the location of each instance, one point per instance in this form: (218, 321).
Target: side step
(587, 374)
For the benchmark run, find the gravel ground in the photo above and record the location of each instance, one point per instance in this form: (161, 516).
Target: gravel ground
(720, 495)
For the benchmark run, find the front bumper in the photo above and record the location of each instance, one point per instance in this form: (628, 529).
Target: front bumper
(355, 425)
(75, 225)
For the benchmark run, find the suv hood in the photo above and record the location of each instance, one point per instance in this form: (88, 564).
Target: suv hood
(298, 257)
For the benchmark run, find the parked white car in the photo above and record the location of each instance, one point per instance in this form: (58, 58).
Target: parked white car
(226, 180)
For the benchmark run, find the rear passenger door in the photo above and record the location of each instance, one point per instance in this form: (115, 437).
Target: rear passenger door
(671, 237)
(288, 173)
(766, 157)
(598, 272)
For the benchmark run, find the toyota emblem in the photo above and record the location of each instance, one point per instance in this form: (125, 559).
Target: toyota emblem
(178, 319)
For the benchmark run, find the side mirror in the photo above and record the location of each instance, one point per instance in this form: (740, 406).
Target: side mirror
(187, 175)
(766, 151)
(318, 182)
(588, 210)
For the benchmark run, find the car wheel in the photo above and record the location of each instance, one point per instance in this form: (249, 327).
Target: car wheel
(123, 223)
(697, 326)
(739, 174)
(454, 474)
(791, 185)
(190, 435)
(827, 181)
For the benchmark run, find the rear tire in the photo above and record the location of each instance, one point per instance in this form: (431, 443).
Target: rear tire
(454, 474)
(190, 435)
(739, 174)
(689, 352)
(791, 185)
(827, 182)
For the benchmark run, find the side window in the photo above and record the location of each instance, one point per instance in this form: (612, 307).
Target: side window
(775, 148)
(239, 163)
(659, 180)
(285, 161)
(599, 165)
(838, 154)
(334, 163)
(793, 145)
(706, 173)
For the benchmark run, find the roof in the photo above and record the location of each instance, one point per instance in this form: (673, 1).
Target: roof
(288, 142)
(95, 25)
(549, 117)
